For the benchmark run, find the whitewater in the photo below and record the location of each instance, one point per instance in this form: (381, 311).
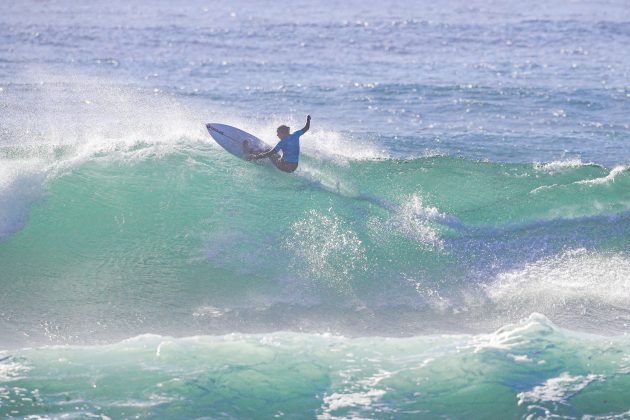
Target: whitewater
(454, 244)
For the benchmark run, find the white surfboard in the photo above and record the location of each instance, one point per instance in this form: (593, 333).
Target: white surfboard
(231, 139)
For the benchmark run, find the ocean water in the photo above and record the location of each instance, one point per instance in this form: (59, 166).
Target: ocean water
(455, 243)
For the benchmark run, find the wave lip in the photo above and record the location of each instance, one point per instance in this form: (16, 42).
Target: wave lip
(559, 165)
(614, 173)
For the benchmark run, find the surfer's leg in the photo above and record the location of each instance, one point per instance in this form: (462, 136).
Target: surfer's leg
(276, 160)
(281, 164)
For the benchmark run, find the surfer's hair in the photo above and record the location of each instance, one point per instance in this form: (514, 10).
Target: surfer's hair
(284, 128)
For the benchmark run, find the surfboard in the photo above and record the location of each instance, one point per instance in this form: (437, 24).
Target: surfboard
(231, 139)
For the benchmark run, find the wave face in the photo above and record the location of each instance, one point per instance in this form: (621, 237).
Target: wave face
(529, 369)
(181, 237)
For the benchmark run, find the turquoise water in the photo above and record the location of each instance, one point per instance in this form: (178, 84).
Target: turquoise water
(454, 243)
(530, 369)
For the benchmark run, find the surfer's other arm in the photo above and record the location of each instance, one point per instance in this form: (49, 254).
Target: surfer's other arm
(263, 155)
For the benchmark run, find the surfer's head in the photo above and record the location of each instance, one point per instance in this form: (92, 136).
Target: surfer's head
(283, 131)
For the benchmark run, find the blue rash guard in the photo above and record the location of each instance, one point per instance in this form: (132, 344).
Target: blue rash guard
(290, 146)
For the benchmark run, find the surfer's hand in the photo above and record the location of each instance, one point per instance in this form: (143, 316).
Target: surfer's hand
(308, 118)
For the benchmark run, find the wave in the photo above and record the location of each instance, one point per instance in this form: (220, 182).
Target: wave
(529, 368)
(69, 124)
(142, 206)
(354, 246)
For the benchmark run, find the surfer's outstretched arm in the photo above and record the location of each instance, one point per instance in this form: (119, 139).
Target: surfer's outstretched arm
(308, 124)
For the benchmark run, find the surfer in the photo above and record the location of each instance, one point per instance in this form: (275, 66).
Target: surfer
(289, 144)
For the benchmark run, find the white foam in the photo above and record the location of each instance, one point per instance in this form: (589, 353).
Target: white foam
(336, 401)
(360, 394)
(573, 276)
(558, 389)
(616, 171)
(511, 336)
(415, 221)
(326, 144)
(559, 165)
(153, 400)
(520, 358)
(414, 207)
(10, 369)
(542, 188)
